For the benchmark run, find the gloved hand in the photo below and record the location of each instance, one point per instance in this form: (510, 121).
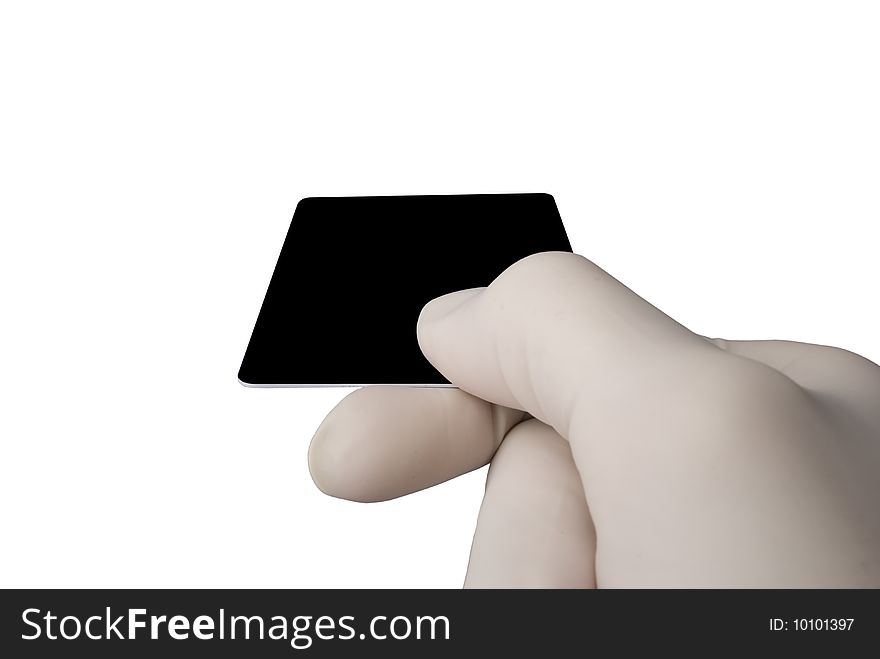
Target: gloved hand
(626, 450)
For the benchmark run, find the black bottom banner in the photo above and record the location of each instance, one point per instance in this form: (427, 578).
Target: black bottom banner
(290, 623)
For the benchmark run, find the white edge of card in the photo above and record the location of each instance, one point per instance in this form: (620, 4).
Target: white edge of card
(330, 386)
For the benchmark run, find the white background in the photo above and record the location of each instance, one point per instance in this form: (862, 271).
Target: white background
(721, 158)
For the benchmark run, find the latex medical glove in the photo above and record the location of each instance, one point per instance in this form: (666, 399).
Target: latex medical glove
(656, 457)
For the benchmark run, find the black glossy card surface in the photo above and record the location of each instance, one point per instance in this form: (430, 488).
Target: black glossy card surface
(355, 272)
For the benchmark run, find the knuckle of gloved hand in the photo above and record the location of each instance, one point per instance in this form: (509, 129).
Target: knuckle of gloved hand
(750, 398)
(539, 282)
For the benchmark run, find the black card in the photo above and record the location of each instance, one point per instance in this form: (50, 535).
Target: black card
(355, 272)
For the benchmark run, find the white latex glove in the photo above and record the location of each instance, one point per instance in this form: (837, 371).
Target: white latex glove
(655, 456)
